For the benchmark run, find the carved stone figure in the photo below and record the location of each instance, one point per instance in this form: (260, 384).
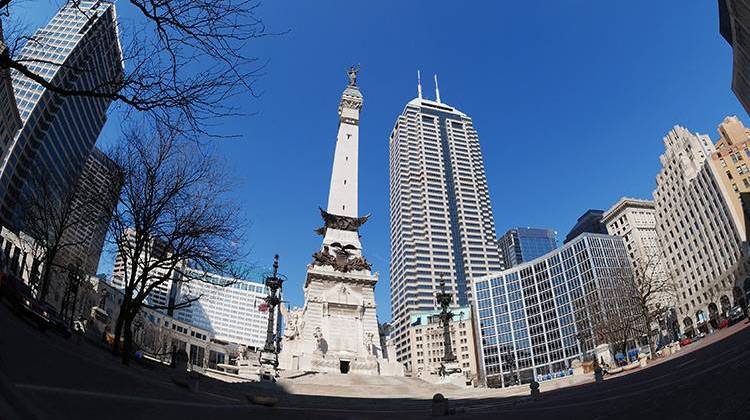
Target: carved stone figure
(324, 257)
(292, 329)
(352, 73)
(334, 221)
(368, 343)
(319, 341)
(342, 261)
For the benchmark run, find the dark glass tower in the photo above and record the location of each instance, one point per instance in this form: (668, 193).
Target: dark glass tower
(521, 244)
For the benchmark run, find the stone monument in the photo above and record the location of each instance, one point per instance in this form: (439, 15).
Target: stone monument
(336, 331)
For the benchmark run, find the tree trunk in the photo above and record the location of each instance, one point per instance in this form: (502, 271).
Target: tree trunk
(46, 274)
(118, 332)
(651, 346)
(127, 343)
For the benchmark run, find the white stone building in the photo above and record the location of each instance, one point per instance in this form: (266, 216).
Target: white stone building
(635, 221)
(229, 308)
(337, 329)
(428, 347)
(697, 229)
(441, 218)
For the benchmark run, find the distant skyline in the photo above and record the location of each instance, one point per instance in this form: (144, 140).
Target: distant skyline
(570, 99)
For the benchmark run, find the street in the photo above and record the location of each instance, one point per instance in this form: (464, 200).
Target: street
(44, 376)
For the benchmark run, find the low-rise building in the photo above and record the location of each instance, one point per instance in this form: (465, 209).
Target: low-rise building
(157, 333)
(536, 319)
(427, 345)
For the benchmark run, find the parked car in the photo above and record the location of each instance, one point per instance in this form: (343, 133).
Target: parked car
(56, 322)
(685, 341)
(21, 300)
(735, 315)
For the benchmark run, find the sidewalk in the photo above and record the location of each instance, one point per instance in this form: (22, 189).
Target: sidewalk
(690, 348)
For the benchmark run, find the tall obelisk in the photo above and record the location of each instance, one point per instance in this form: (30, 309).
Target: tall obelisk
(337, 331)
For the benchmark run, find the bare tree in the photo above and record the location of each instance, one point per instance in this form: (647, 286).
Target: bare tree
(174, 222)
(181, 60)
(654, 292)
(617, 329)
(53, 216)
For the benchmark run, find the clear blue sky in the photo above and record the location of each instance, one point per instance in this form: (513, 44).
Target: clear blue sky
(570, 98)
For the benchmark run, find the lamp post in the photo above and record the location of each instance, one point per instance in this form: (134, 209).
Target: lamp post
(444, 300)
(273, 283)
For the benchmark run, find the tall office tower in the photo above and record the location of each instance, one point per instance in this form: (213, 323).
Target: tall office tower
(95, 198)
(231, 309)
(10, 119)
(589, 222)
(697, 229)
(79, 49)
(635, 221)
(441, 218)
(731, 162)
(537, 318)
(525, 244)
(734, 26)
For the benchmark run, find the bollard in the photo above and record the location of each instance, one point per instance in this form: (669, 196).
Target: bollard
(439, 405)
(598, 374)
(534, 385)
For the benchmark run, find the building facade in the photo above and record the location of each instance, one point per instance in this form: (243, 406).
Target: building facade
(442, 224)
(95, 198)
(231, 309)
(427, 345)
(734, 26)
(10, 119)
(59, 132)
(537, 318)
(698, 230)
(589, 222)
(731, 162)
(157, 333)
(525, 244)
(635, 221)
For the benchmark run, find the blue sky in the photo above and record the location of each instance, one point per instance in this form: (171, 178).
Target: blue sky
(570, 98)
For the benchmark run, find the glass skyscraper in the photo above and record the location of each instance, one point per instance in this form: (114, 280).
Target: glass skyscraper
(79, 49)
(536, 318)
(441, 218)
(525, 244)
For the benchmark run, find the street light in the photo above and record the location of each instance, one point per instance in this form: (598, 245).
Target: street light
(273, 283)
(444, 299)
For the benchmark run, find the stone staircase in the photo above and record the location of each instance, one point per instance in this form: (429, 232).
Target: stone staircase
(362, 386)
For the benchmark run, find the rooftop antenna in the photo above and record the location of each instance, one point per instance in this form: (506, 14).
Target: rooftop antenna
(437, 91)
(419, 85)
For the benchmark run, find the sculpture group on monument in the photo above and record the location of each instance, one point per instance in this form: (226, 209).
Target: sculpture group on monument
(336, 331)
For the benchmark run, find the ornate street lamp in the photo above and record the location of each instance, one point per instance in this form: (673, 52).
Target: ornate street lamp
(444, 299)
(273, 283)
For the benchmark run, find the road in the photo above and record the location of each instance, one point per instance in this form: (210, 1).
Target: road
(43, 376)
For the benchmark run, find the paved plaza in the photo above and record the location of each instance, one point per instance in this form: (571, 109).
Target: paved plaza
(46, 377)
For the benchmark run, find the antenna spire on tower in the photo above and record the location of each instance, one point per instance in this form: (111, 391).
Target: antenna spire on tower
(437, 91)
(419, 85)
